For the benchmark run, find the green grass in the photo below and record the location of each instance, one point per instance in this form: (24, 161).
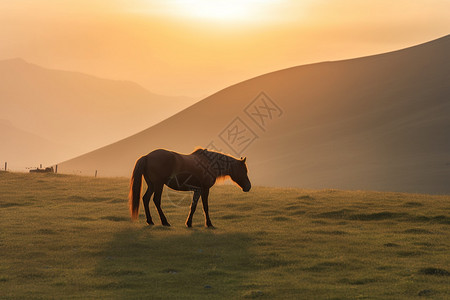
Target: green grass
(71, 237)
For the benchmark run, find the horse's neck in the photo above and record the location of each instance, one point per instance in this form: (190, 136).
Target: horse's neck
(221, 163)
(226, 162)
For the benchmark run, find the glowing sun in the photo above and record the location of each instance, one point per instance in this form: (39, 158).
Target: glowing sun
(221, 10)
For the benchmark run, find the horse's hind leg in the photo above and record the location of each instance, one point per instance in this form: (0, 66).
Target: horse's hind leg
(157, 201)
(146, 200)
(193, 207)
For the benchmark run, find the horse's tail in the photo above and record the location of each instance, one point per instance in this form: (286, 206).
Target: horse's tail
(135, 187)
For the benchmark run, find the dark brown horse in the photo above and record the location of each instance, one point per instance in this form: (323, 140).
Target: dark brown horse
(196, 172)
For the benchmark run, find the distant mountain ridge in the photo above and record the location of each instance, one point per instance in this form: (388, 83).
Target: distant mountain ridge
(79, 111)
(374, 123)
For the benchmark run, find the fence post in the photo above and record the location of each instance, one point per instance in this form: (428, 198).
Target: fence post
(6, 166)
(56, 169)
(95, 173)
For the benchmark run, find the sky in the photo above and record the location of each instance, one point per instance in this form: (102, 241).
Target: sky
(197, 47)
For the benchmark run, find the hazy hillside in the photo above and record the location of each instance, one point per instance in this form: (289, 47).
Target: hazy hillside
(80, 111)
(379, 123)
(22, 149)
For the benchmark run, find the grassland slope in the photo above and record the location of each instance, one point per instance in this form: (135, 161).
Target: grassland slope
(71, 237)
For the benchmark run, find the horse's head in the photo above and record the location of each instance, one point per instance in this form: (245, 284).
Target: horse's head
(239, 174)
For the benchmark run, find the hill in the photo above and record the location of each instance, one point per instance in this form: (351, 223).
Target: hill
(66, 236)
(375, 123)
(76, 110)
(22, 149)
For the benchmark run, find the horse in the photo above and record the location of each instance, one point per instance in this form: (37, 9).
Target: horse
(196, 172)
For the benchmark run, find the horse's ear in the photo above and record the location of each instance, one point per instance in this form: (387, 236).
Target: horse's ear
(244, 159)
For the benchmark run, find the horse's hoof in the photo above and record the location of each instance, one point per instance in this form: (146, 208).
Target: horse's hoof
(166, 224)
(210, 226)
(150, 223)
(188, 225)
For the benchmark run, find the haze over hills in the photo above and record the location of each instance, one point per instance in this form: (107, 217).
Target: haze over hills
(373, 123)
(74, 110)
(23, 149)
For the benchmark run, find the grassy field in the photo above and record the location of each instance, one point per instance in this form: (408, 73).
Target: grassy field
(71, 237)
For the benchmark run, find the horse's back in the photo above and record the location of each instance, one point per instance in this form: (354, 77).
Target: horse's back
(159, 152)
(161, 163)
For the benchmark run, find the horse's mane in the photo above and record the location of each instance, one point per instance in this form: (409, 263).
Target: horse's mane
(216, 158)
(212, 154)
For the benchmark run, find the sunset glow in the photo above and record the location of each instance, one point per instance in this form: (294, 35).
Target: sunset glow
(219, 10)
(212, 11)
(197, 47)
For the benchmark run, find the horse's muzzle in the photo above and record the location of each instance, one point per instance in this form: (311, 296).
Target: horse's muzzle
(247, 188)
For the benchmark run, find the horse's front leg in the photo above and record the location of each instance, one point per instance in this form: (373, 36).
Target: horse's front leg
(193, 207)
(205, 193)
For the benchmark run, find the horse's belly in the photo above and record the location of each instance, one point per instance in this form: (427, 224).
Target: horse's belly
(184, 182)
